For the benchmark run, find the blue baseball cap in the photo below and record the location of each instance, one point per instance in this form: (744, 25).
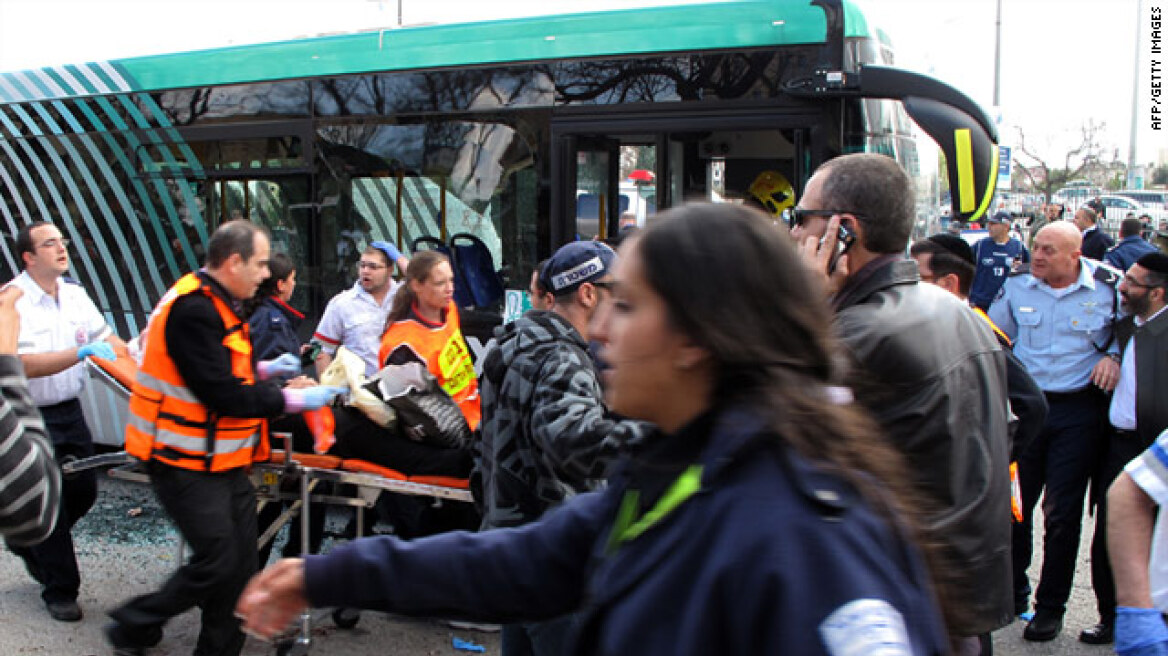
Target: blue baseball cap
(999, 217)
(575, 264)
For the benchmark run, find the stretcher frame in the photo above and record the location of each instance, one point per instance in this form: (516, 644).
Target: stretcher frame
(269, 478)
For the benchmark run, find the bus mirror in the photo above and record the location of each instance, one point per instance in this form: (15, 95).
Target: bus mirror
(961, 128)
(971, 156)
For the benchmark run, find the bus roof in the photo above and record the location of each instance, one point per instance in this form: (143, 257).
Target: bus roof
(710, 26)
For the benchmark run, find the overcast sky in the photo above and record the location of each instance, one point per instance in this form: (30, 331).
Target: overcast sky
(1063, 61)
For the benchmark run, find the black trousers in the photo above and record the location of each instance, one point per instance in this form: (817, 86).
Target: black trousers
(53, 562)
(216, 514)
(1122, 447)
(1061, 461)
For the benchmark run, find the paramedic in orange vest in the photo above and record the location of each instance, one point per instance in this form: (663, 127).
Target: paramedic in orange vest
(198, 419)
(423, 327)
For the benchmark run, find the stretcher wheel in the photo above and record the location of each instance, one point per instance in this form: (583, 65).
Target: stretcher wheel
(346, 618)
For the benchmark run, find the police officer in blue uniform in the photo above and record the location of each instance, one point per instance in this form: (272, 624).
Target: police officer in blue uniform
(1059, 314)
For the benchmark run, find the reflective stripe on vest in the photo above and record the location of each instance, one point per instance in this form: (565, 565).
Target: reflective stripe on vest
(167, 421)
(629, 527)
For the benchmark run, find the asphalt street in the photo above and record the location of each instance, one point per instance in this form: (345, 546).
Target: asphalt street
(126, 547)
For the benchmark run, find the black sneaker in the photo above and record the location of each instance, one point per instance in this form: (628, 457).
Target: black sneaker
(64, 611)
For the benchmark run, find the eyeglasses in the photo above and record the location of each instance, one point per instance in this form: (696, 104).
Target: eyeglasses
(370, 265)
(54, 243)
(1132, 282)
(798, 215)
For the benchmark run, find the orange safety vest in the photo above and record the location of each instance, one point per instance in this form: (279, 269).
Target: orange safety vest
(445, 354)
(167, 422)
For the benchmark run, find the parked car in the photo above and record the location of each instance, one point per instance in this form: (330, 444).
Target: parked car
(1117, 208)
(1147, 197)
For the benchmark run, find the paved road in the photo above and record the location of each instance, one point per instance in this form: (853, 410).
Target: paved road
(123, 555)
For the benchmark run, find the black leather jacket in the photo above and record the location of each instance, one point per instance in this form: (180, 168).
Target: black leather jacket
(935, 377)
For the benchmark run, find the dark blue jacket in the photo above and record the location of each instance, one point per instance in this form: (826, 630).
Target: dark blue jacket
(771, 555)
(1127, 251)
(1095, 244)
(273, 329)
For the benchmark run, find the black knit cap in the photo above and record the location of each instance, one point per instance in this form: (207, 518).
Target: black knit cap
(954, 244)
(1156, 262)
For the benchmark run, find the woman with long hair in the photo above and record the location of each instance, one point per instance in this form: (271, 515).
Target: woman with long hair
(423, 326)
(766, 516)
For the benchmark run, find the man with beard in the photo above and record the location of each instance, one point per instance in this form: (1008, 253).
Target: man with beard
(1135, 414)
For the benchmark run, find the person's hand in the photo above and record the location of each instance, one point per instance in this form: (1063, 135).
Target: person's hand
(285, 366)
(9, 319)
(1105, 375)
(817, 256)
(300, 382)
(273, 599)
(1140, 632)
(389, 249)
(310, 398)
(100, 349)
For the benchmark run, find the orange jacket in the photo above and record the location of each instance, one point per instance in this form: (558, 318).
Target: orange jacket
(167, 422)
(444, 352)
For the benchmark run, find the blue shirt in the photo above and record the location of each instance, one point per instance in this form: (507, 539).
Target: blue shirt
(1127, 251)
(1056, 331)
(994, 262)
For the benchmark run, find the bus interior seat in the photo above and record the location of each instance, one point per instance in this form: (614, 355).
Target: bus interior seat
(473, 260)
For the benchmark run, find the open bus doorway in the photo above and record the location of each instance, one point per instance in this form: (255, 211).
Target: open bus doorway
(613, 181)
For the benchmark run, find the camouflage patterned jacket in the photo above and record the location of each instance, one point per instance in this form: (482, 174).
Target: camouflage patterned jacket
(546, 434)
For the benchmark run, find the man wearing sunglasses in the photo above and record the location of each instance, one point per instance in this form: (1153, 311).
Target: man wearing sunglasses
(60, 326)
(930, 371)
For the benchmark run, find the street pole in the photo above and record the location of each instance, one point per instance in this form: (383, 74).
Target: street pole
(998, 57)
(1131, 140)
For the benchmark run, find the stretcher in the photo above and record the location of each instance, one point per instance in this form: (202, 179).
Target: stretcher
(286, 477)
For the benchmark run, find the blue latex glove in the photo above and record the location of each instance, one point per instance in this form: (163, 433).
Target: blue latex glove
(99, 349)
(310, 398)
(285, 366)
(1140, 632)
(389, 249)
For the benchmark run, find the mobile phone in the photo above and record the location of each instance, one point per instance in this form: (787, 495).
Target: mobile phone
(844, 239)
(308, 357)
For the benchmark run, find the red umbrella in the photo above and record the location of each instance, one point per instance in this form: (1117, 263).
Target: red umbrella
(641, 175)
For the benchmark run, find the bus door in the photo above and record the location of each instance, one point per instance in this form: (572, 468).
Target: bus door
(613, 173)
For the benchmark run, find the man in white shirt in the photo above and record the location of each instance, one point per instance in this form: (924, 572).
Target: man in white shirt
(355, 318)
(1137, 412)
(59, 327)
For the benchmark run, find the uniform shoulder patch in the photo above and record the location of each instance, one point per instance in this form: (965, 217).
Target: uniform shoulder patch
(1107, 274)
(872, 627)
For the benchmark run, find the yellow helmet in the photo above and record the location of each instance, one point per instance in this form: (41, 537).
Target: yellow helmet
(773, 190)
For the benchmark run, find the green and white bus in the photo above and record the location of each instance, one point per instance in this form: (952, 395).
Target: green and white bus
(514, 136)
